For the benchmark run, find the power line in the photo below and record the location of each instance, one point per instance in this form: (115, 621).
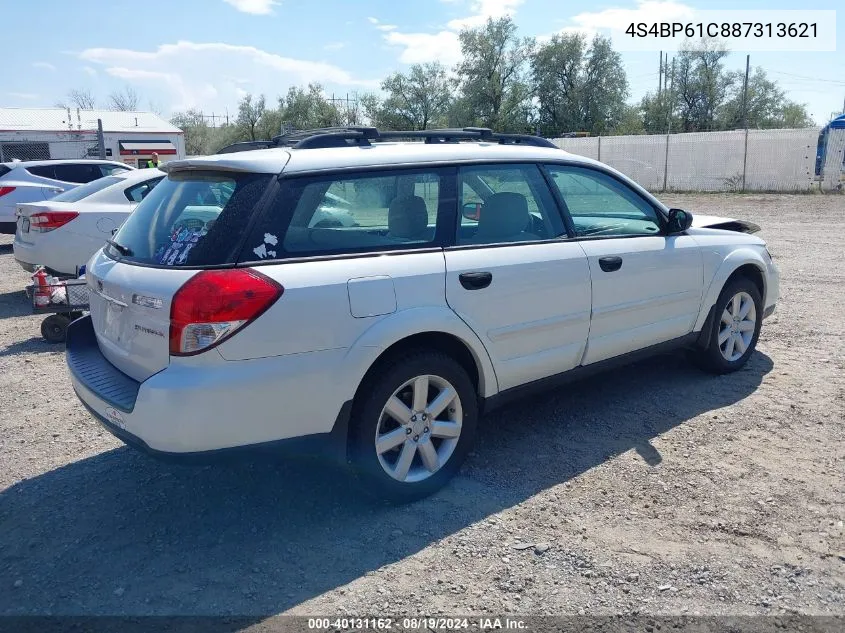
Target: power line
(833, 81)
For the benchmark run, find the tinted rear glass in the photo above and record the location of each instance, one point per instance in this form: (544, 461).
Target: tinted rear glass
(83, 191)
(4, 170)
(78, 172)
(45, 171)
(191, 219)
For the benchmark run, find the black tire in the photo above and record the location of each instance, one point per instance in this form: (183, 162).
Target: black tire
(710, 358)
(54, 328)
(374, 395)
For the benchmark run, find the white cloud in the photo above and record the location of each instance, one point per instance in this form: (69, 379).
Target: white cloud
(202, 74)
(618, 19)
(483, 10)
(373, 20)
(419, 48)
(89, 71)
(444, 46)
(254, 7)
(44, 65)
(29, 96)
(334, 46)
(614, 20)
(386, 27)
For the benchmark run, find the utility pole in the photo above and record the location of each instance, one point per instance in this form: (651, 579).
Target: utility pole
(671, 110)
(669, 124)
(101, 141)
(660, 77)
(745, 118)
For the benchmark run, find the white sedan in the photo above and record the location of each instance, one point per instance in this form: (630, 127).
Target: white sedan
(61, 234)
(39, 180)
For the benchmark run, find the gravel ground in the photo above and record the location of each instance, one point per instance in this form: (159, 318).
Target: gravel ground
(654, 489)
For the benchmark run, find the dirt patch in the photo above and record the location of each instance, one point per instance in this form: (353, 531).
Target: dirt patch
(652, 489)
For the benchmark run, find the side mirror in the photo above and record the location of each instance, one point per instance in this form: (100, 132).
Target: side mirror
(472, 210)
(679, 221)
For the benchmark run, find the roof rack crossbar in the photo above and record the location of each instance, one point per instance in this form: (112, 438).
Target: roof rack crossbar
(245, 146)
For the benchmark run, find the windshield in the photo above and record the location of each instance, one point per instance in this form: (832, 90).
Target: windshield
(190, 219)
(83, 191)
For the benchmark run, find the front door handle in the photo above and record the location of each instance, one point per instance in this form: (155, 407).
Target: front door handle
(475, 281)
(610, 264)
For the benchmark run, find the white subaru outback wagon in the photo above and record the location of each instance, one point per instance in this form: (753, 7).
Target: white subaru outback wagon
(233, 309)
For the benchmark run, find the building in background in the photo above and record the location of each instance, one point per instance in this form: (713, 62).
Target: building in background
(44, 133)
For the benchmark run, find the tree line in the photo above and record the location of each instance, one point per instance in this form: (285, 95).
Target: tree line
(565, 84)
(126, 100)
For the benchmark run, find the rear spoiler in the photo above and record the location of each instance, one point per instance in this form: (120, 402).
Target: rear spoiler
(264, 163)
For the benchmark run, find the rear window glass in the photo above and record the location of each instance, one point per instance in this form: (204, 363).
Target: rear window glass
(191, 219)
(4, 170)
(83, 191)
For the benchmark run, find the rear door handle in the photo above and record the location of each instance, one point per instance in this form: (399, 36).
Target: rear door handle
(475, 281)
(610, 264)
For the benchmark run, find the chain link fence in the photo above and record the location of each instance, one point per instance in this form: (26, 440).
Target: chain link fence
(80, 146)
(753, 160)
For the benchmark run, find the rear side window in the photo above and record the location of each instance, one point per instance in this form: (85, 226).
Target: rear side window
(83, 191)
(138, 192)
(191, 219)
(109, 170)
(358, 212)
(44, 171)
(506, 204)
(77, 172)
(4, 170)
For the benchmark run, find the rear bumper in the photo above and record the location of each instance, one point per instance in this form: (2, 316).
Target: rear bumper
(196, 419)
(28, 256)
(330, 445)
(30, 268)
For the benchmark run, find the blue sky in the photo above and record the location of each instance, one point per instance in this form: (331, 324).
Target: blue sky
(208, 53)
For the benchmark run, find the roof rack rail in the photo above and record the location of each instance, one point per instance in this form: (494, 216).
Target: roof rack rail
(474, 133)
(364, 136)
(245, 146)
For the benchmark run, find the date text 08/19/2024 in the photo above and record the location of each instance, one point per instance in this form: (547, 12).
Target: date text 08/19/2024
(421, 623)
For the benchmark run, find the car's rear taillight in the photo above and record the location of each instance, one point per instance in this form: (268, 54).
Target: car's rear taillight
(50, 220)
(5, 190)
(214, 304)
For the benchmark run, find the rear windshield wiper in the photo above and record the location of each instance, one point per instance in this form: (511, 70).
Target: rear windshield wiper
(120, 248)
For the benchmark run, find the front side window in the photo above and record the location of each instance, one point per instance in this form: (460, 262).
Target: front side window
(506, 203)
(191, 219)
(350, 213)
(600, 205)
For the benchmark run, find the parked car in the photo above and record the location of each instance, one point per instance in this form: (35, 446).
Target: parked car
(475, 272)
(63, 233)
(38, 180)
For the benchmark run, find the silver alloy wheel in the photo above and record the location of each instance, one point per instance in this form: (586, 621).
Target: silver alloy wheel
(739, 319)
(419, 428)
